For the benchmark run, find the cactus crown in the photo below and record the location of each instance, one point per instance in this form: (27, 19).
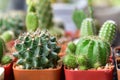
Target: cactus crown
(37, 50)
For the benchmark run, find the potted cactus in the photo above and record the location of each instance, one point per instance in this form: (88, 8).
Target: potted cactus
(37, 57)
(6, 61)
(89, 58)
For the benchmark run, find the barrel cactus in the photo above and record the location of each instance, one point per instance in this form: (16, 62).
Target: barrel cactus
(94, 51)
(37, 50)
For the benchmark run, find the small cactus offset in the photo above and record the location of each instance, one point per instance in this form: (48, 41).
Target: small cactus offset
(37, 50)
(92, 51)
(88, 27)
(78, 17)
(108, 31)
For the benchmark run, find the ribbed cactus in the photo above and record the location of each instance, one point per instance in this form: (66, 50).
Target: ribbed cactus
(78, 16)
(94, 51)
(88, 27)
(37, 50)
(107, 31)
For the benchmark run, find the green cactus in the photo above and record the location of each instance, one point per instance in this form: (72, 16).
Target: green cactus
(1, 49)
(94, 51)
(44, 12)
(107, 31)
(14, 21)
(7, 36)
(78, 16)
(37, 50)
(6, 59)
(88, 27)
(70, 61)
(31, 21)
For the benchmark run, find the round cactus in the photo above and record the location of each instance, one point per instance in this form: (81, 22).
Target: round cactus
(95, 49)
(37, 50)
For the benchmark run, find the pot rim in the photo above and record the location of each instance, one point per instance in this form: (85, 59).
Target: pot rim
(90, 70)
(44, 70)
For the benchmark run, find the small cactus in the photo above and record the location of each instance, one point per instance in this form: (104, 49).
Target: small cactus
(6, 59)
(7, 36)
(88, 27)
(108, 31)
(37, 50)
(78, 17)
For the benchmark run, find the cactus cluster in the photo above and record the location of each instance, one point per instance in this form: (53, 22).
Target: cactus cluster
(91, 51)
(37, 50)
(14, 21)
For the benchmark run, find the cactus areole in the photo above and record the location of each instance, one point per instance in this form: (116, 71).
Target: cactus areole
(37, 50)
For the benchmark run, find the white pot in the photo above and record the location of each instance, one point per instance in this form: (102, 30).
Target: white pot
(2, 73)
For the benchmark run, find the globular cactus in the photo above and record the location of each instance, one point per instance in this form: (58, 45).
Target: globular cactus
(37, 50)
(7, 36)
(94, 51)
(6, 59)
(108, 31)
(88, 27)
(78, 16)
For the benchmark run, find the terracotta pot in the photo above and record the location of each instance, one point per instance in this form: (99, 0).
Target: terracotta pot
(8, 75)
(89, 74)
(46, 74)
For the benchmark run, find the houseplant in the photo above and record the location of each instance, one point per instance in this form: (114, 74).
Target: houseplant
(37, 54)
(6, 61)
(90, 56)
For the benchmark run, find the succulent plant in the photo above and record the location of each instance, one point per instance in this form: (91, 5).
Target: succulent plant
(14, 21)
(94, 50)
(88, 27)
(4, 59)
(78, 16)
(7, 36)
(37, 50)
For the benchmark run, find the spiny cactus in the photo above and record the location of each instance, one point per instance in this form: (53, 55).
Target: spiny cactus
(78, 16)
(88, 27)
(108, 30)
(37, 50)
(14, 21)
(94, 49)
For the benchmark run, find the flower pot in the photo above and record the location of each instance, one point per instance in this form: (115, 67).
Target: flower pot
(46, 74)
(103, 74)
(1, 73)
(117, 67)
(8, 75)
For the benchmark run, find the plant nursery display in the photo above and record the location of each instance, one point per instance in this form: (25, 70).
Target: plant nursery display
(37, 54)
(90, 56)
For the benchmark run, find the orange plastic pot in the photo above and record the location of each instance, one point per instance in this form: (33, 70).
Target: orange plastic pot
(46, 74)
(8, 72)
(88, 74)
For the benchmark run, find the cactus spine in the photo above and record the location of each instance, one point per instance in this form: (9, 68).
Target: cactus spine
(37, 50)
(88, 27)
(94, 49)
